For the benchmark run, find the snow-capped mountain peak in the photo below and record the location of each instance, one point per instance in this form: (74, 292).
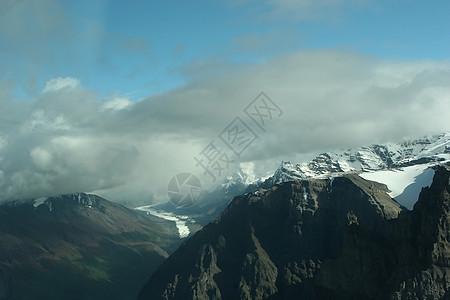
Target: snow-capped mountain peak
(368, 158)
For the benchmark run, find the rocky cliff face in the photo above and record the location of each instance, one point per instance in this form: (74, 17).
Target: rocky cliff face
(341, 238)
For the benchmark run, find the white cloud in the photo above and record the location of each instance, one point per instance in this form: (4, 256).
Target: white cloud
(41, 120)
(117, 104)
(57, 84)
(41, 157)
(71, 141)
(3, 142)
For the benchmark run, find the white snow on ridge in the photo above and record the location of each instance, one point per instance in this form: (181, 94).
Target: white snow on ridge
(305, 194)
(367, 158)
(39, 202)
(405, 184)
(331, 183)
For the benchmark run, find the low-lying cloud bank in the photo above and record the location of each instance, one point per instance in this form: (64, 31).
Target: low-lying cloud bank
(67, 139)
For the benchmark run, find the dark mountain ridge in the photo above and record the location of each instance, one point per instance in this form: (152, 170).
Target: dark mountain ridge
(341, 238)
(78, 246)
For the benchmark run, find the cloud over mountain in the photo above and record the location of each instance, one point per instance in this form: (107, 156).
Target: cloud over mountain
(70, 139)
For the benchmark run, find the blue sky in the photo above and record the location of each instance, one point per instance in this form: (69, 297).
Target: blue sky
(117, 97)
(135, 49)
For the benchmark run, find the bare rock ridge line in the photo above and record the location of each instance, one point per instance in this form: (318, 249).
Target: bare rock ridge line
(316, 239)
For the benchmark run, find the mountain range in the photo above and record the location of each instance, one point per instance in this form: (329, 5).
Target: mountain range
(399, 158)
(331, 238)
(346, 225)
(368, 158)
(78, 246)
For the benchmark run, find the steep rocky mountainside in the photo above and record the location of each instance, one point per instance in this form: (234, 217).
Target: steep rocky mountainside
(78, 247)
(341, 238)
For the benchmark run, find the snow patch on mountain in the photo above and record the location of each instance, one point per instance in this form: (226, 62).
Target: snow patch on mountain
(404, 167)
(38, 202)
(404, 184)
(244, 176)
(367, 158)
(43, 200)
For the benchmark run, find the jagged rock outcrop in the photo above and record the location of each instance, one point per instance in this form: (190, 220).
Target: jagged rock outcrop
(341, 238)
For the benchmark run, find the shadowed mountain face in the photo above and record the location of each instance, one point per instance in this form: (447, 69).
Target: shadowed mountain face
(78, 247)
(341, 238)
